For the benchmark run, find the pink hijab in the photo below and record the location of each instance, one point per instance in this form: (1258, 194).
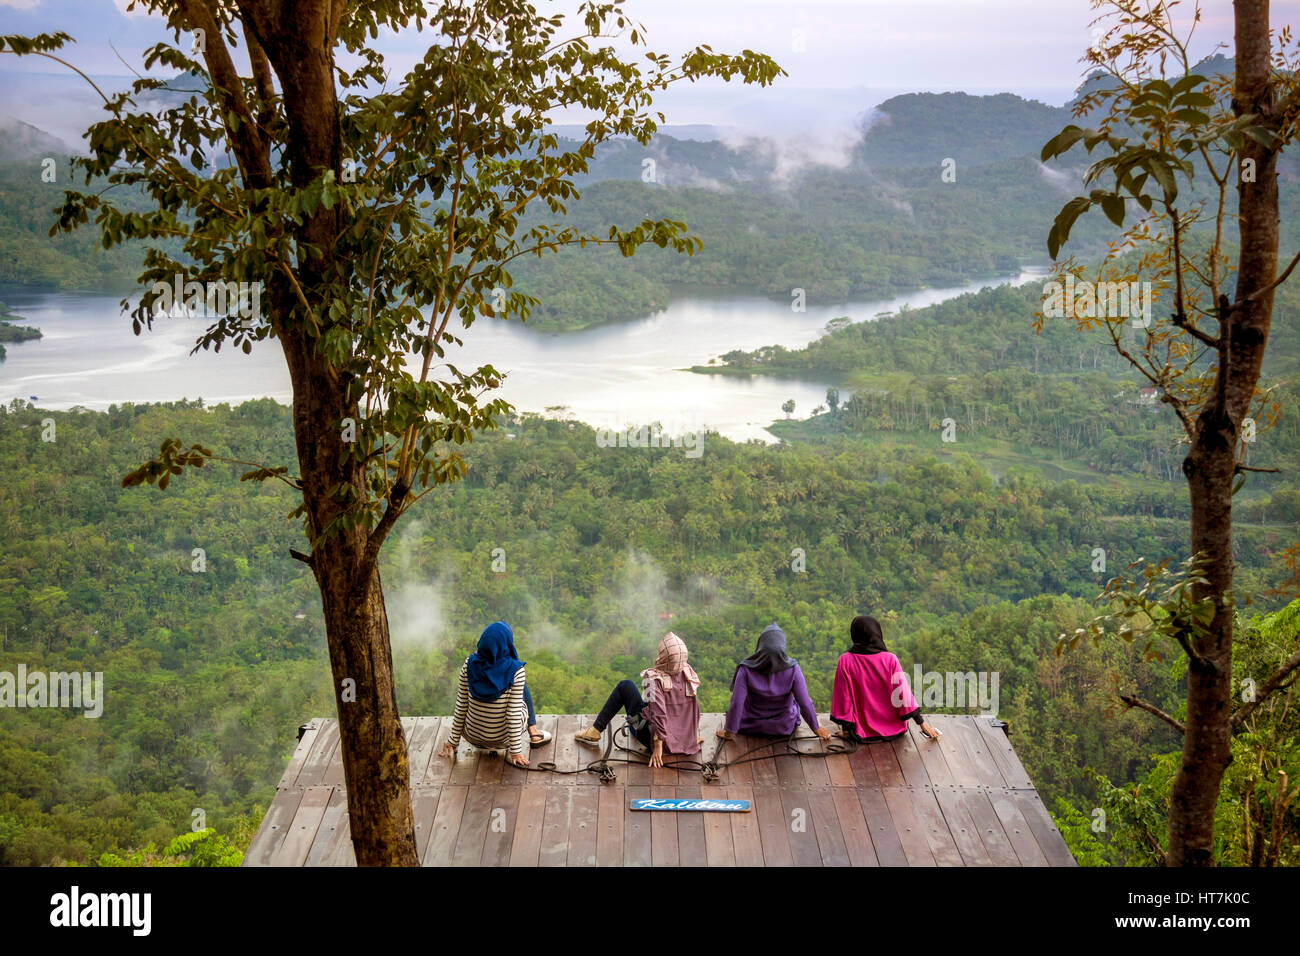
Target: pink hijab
(671, 660)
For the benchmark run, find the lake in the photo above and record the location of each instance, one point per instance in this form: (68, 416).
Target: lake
(610, 375)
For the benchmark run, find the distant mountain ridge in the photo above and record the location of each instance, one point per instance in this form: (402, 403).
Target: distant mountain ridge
(22, 142)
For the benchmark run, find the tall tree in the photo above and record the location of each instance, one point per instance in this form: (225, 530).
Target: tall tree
(1161, 125)
(366, 213)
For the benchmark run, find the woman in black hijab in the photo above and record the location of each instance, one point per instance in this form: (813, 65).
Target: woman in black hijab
(768, 692)
(871, 700)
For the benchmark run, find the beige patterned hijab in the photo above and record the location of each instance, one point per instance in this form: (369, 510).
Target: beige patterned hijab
(671, 660)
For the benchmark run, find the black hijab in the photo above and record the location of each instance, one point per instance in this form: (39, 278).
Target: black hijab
(769, 656)
(866, 636)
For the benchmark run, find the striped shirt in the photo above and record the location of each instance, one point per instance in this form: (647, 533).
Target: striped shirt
(491, 724)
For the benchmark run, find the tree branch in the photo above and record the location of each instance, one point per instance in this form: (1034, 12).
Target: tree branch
(1277, 681)
(1132, 701)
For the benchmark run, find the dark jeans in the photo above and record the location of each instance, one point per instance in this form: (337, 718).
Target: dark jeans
(528, 702)
(625, 696)
(850, 731)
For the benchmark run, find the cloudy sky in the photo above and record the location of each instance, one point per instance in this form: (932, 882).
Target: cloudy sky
(842, 56)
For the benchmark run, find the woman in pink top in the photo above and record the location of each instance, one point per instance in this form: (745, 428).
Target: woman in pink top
(669, 714)
(871, 700)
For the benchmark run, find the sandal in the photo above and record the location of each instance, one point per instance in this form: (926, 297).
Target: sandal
(541, 741)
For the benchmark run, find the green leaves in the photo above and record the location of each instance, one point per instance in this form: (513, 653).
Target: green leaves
(1159, 604)
(41, 43)
(1064, 222)
(1172, 123)
(172, 460)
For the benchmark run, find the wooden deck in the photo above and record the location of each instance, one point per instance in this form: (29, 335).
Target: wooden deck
(964, 800)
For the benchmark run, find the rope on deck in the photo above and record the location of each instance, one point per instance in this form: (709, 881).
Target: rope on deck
(711, 769)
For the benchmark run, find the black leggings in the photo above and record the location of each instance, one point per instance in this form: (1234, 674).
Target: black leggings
(850, 729)
(625, 696)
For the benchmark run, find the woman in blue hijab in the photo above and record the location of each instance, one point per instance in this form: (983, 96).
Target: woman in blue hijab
(493, 698)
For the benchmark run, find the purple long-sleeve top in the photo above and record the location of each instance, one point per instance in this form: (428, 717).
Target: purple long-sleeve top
(769, 703)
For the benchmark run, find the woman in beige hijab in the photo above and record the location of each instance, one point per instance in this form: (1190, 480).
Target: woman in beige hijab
(668, 715)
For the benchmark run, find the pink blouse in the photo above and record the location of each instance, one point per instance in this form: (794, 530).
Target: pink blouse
(871, 690)
(673, 716)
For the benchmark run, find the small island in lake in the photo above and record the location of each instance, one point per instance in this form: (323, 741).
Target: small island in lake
(13, 333)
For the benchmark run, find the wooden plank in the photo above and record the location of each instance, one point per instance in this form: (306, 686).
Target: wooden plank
(710, 724)
(815, 770)
(637, 772)
(965, 730)
(965, 772)
(474, 822)
(587, 755)
(663, 832)
(637, 845)
(333, 830)
(773, 827)
(739, 775)
(322, 754)
(853, 827)
(931, 753)
(527, 843)
(609, 843)
(300, 752)
(746, 839)
(465, 768)
(337, 849)
(555, 825)
(832, 847)
(499, 840)
(801, 829)
(539, 755)
(1016, 829)
(763, 770)
(301, 832)
(566, 749)
(837, 766)
(911, 831)
(491, 768)
(1045, 831)
(691, 847)
(424, 806)
(789, 767)
(962, 828)
(719, 846)
(909, 759)
(884, 835)
(584, 825)
(269, 836)
(977, 805)
(1004, 755)
(440, 767)
(887, 768)
(446, 826)
(865, 775)
(419, 747)
(942, 845)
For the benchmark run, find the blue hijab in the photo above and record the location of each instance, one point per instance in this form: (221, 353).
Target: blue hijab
(492, 668)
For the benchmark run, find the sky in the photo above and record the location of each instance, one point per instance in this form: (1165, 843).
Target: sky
(842, 56)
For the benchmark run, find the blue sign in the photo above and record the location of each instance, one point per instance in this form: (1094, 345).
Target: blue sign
(708, 805)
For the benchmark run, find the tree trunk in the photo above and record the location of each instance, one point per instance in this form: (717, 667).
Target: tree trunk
(1211, 464)
(298, 40)
(375, 763)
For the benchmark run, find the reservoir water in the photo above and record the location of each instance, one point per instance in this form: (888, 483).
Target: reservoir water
(610, 375)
